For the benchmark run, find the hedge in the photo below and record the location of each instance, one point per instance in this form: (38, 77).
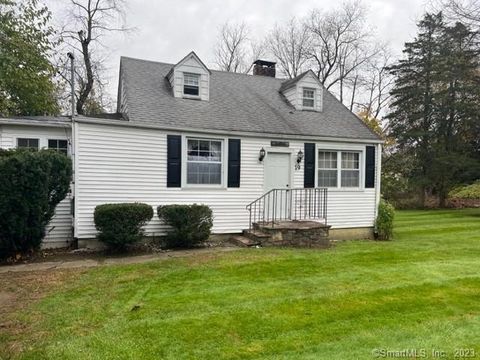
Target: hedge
(190, 224)
(32, 184)
(121, 224)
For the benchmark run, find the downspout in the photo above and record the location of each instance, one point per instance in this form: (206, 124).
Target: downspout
(378, 181)
(73, 144)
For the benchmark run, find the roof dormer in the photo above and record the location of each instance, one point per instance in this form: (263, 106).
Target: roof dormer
(304, 92)
(190, 78)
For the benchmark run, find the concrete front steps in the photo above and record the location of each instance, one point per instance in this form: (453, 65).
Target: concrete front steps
(285, 233)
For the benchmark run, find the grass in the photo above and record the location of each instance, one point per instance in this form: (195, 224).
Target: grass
(420, 291)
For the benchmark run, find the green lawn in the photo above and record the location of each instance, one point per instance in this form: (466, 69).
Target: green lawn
(420, 291)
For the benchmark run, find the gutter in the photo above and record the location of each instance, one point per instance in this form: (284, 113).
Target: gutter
(58, 124)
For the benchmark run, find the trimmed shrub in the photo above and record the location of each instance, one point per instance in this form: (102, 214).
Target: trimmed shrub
(384, 221)
(32, 184)
(121, 224)
(191, 224)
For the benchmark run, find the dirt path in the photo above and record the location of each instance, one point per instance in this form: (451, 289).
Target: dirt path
(100, 261)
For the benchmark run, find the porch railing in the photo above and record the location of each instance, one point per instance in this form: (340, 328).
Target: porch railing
(288, 204)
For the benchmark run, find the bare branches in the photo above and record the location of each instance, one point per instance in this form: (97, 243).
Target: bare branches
(466, 11)
(290, 45)
(339, 42)
(235, 51)
(377, 85)
(87, 22)
(230, 51)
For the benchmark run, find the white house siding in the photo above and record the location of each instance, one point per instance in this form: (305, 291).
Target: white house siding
(128, 164)
(292, 96)
(59, 230)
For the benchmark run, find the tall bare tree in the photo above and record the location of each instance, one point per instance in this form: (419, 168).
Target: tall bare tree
(290, 45)
(376, 85)
(341, 43)
(87, 23)
(235, 51)
(230, 50)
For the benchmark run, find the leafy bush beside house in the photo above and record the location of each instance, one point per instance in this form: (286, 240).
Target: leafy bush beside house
(121, 224)
(191, 224)
(32, 184)
(384, 221)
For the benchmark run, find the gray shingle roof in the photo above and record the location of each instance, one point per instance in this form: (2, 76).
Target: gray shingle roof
(238, 102)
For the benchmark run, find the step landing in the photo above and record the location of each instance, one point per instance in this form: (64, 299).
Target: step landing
(296, 233)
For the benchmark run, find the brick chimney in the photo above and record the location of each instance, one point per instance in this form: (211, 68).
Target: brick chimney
(264, 68)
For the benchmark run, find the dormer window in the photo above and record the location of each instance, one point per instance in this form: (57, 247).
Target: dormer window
(191, 84)
(308, 99)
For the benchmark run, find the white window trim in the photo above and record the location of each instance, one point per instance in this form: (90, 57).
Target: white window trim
(314, 96)
(39, 147)
(339, 149)
(42, 140)
(359, 170)
(184, 183)
(190, 96)
(57, 139)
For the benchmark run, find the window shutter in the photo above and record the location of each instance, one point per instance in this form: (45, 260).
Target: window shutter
(370, 167)
(309, 167)
(174, 160)
(234, 151)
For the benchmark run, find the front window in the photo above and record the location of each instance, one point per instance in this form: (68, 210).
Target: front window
(191, 84)
(308, 98)
(58, 145)
(327, 169)
(27, 143)
(350, 169)
(204, 162)
(338, 169)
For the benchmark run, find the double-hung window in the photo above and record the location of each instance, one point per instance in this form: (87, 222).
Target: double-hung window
(204, 162)
(308, 99)
(27, 143)
(350, 169)
(327, 169)
(58, 145)
(339, 169)
(191, 84)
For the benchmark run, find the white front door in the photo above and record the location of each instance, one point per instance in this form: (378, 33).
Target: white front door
(277, 171)
(277, 176)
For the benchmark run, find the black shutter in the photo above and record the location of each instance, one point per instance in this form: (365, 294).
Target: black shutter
(370, 167)
(309, 171)
(234, 151)
(174, 160)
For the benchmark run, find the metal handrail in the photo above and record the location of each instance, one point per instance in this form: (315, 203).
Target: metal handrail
(288, 204)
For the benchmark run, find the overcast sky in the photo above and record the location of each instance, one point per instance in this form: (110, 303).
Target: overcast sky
(166, 30)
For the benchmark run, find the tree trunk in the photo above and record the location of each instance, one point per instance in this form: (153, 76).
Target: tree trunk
(88, 66)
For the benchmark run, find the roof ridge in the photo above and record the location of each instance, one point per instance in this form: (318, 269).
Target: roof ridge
(212, 70)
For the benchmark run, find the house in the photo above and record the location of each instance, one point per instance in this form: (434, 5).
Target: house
(187, 134)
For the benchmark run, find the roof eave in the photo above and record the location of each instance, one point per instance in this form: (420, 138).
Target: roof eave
(227, 132)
